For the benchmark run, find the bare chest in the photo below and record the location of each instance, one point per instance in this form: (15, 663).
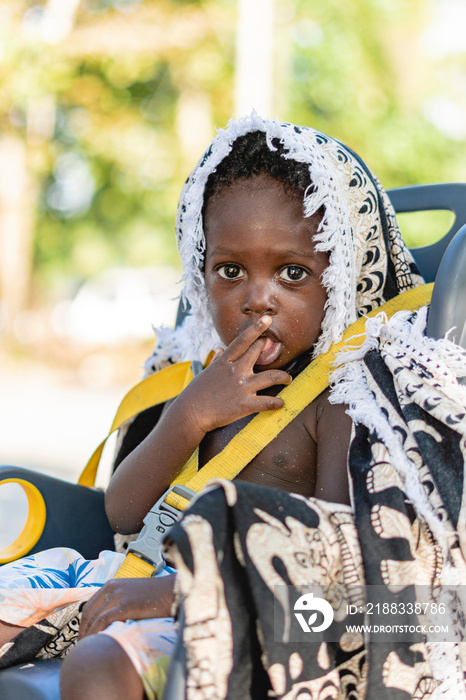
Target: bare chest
(288, 462)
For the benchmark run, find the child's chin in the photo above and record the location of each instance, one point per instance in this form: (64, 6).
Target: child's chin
(263, 368)
(280, 363)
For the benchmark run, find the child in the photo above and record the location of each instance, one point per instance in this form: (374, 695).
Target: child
(245, 554)
(300, 239)
(263, 280)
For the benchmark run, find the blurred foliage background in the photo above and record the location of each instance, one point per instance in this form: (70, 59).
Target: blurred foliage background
(105, 106)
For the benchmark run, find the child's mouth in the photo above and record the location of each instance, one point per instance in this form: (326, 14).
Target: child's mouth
(270, 352)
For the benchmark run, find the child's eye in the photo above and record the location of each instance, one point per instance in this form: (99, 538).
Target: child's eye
(293, 273)
(230, 271)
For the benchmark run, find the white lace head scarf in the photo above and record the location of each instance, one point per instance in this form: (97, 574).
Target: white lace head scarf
(369, 263)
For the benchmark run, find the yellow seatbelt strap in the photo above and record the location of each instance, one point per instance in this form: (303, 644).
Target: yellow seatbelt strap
(264, 427)
(153, 390)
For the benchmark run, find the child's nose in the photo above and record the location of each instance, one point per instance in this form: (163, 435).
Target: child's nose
(259, 299)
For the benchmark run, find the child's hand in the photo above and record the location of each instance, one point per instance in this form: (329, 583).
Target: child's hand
(127, 599)
(227, 389)
(220, 395)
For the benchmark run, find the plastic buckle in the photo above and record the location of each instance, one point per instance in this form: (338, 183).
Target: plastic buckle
(157, 523)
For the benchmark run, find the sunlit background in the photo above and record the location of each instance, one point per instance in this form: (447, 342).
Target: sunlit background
(106, 105)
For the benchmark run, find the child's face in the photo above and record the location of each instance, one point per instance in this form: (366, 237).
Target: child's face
(260, 258)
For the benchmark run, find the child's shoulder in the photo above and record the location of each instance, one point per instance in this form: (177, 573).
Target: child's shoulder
(330, 427)
(321, 414)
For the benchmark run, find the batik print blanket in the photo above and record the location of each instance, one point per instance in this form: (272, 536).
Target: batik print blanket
(44, 593)
(246, 553)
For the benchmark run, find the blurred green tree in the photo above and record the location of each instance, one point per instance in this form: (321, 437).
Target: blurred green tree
(107, 104)
(362, 72)
(113, 113)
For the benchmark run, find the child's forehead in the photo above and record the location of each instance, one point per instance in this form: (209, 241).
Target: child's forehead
(259, 214)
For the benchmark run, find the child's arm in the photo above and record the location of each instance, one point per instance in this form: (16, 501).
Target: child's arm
(222, 393)
(333, 433)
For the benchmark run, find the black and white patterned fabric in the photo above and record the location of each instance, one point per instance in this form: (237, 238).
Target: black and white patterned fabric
(243, 551)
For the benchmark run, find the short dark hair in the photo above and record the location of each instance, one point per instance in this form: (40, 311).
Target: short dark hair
(251, 156)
